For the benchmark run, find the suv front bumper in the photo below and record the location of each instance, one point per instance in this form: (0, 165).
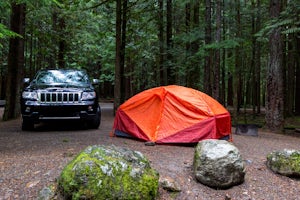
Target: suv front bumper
(37, 112)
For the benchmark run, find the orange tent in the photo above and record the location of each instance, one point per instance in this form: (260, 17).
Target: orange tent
(172, 114)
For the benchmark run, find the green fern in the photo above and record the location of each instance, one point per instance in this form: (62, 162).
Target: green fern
(291, 30)
(5, 32)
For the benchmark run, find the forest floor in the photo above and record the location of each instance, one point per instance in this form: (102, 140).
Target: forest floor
(30, 161)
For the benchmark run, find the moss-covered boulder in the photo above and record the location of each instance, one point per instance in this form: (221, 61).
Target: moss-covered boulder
(108, 172)
(285, 162)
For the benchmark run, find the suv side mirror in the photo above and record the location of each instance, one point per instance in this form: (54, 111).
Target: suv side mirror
(95, 81)
(26, 80)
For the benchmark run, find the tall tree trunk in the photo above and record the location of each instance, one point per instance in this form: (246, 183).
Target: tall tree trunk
(189, 80)
(161, 69)
(297, 93)
(121, 21)
(253, 56)
(208, 61)
(237, 77)
(2, 74)
(255, 61)
(258, 60)
(54, 59)
(195, 45)
(31, 63)
(170, 70)
(289, 63)
(223, 68)
(216, 74)
(61, 43)
(129, 87)
(15, 72)
(275, 94)
(290, 59)
(117, 88)
(123, 45)
(230, 90)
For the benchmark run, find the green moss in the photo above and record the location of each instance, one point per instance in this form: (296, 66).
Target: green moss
(96, 174)
(197, 156)
(284, 162)
(295, 161)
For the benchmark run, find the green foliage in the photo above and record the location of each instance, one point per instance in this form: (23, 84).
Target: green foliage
(225, 44)
(290, 18)
(288, 22)
(6, 33)
(88, 43)
(292, 123)
(291, 30)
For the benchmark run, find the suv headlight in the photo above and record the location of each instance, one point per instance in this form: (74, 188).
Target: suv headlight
(29, 95)
(88, 95)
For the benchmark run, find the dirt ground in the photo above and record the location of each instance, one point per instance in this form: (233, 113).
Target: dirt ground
(30, 161)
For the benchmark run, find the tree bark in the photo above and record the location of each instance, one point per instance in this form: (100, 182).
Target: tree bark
(216, 74)
(258, 60)
(117, 88)
(189, 80)
(123, 46)
(275, 94)
(15, 72)
(161, 69)
(237, 77)
(255, 61)
(121, 22)
(297, 93)
(170, 70)
(195, 73)
(61, 43)
(290, 59)
(207, 65)
(230, 90)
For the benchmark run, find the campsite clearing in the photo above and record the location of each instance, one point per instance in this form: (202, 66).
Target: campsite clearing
(29, 161)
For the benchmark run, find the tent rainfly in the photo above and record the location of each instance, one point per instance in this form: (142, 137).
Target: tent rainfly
(172, 114)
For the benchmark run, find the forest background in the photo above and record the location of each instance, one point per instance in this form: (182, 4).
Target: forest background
(244, 53)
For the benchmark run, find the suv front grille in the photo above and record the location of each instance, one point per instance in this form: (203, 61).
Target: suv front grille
(59, 97)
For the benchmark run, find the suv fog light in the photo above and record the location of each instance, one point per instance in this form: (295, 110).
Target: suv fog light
(90, 108)
(27, 109)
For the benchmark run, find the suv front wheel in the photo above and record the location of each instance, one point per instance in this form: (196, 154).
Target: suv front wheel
(95, 123)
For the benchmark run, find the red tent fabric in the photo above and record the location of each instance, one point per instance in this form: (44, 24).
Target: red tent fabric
(172, 114)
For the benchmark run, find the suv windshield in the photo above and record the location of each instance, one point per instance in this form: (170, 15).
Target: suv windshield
(71, 77)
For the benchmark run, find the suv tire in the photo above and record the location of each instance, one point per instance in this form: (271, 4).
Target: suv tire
(95, 123)
(27, 125)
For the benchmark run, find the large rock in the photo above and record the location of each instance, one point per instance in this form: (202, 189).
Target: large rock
(109, 172)
(285, 162)
(218, 164)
